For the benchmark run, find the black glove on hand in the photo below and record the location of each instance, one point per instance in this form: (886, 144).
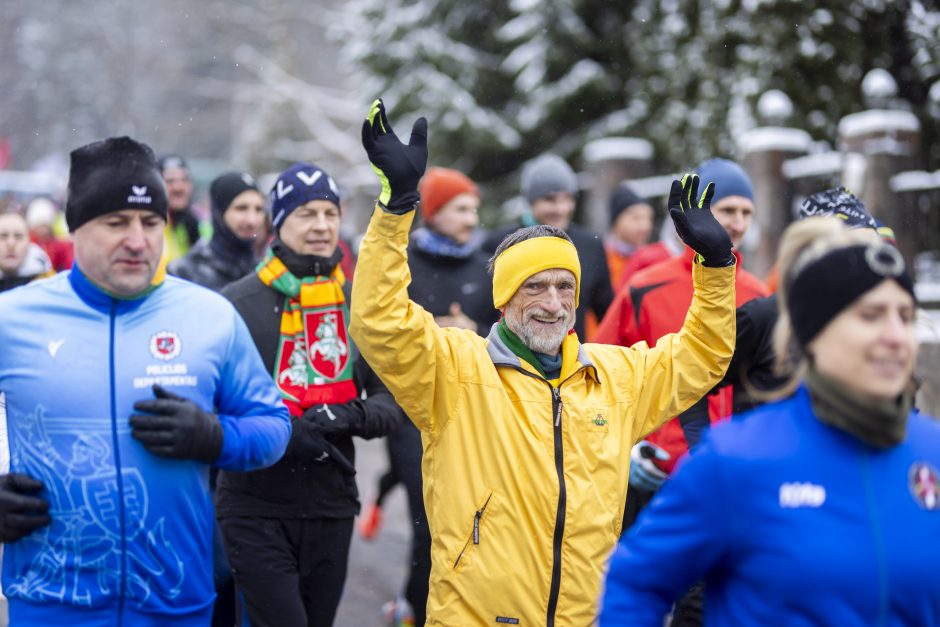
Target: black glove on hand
(339, 419)
(696, 225)
(399, 166)
(308, 442)
(177, 428)
(21, 514)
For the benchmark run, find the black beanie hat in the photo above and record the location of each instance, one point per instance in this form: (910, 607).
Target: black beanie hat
(622, 198)
(110, 175)
(226, 187)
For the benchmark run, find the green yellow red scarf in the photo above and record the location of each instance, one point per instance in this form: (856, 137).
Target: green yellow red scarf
(314, 362)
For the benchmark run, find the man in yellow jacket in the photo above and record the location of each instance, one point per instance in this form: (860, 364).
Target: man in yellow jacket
(527, 433)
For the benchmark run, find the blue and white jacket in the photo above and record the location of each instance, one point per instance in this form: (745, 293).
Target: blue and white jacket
(790, 522)
(131, 536)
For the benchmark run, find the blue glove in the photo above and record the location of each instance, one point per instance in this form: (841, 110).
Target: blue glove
(696, 225)
(399, 166)
(644, 474)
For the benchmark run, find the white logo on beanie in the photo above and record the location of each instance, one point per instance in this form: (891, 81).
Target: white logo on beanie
(283, 190)
(139, 195)
(309, 180)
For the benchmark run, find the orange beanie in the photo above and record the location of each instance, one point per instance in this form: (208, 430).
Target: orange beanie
(439, 186)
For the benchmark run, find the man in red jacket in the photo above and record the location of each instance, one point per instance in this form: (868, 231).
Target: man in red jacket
(654, 303)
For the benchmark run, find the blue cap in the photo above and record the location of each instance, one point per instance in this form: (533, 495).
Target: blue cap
(297, 186)
(729, 179)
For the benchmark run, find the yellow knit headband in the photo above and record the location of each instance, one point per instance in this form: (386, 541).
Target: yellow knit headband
(520, 261)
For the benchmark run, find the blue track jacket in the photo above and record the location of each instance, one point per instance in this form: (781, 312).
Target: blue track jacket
(131, 536)
(790, 522)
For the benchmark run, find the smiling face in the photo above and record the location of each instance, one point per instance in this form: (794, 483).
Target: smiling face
(179, 188)
(120, 251)
(734, 213)
(312, 228)
(14, 242)
(542, 310)
(555, 209)
(634, 225)
(245, 215)
(458, 218)
(871, 346)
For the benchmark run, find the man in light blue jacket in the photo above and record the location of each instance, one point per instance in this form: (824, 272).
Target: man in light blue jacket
(122, 386)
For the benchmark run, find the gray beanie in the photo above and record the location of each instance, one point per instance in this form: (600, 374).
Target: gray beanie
(547, 174)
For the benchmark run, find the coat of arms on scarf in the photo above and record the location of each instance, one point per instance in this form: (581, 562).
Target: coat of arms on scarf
(314, 362)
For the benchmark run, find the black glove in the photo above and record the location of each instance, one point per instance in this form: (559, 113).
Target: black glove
(338, 419)
(308, 442)
(399, 166)
(21, 514)
(696, 225)
(177, 428)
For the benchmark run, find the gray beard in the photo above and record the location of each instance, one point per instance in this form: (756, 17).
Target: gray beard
(548, 345)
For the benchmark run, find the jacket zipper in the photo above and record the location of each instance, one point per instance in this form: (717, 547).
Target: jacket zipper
(117, 467)
(559, 512)
(878, 537)
(475, 538)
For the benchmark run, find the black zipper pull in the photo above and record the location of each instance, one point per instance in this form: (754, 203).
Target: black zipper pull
(476, 526)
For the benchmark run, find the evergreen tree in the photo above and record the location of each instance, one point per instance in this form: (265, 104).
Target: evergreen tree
(505, 82)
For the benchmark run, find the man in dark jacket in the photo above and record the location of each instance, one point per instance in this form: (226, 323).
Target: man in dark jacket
(238, 217)
(551, 187)
(287, 529)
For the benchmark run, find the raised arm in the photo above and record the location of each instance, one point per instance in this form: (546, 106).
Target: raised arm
(397, 337)
(684, 366)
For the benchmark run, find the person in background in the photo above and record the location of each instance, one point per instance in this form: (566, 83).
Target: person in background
(123, 386)
(551, 188)
(183, 227)
(21, 261)
(654, 303)
(238, 219)
(287, 528)
(821, 508)
(449, 280)
(41, 216)
(526, 431)
(631, 224)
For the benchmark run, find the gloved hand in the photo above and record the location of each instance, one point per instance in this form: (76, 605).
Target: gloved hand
(338, 419)
(177, 428)
(398, 165)
(20, 513)
(696, 225)
(308, 442)
(644, 474)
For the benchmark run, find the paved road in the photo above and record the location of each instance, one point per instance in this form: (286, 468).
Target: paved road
(377, 569)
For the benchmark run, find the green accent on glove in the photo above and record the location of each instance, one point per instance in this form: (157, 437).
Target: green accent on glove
(696, 225)
(399, 166)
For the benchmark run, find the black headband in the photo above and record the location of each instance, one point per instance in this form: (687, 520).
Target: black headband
(824, 287)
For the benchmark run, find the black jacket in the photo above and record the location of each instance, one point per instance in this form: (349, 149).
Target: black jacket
(204, 265)
(596, 292)
(299, 487)
(439, 280)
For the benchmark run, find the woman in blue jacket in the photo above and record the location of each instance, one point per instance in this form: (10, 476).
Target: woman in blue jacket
(823, 507)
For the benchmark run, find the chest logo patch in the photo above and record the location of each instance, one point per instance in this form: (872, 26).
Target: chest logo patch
(924, 483)
(599, 420)
(165, 345)
(795, 495)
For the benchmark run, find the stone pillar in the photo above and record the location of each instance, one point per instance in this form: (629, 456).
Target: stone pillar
(609, 162)
(888, 138)
(764, 151)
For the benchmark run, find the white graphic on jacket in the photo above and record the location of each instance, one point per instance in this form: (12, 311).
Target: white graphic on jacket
(77, 559)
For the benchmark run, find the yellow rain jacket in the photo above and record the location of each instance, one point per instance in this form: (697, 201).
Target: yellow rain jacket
(525, 481)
